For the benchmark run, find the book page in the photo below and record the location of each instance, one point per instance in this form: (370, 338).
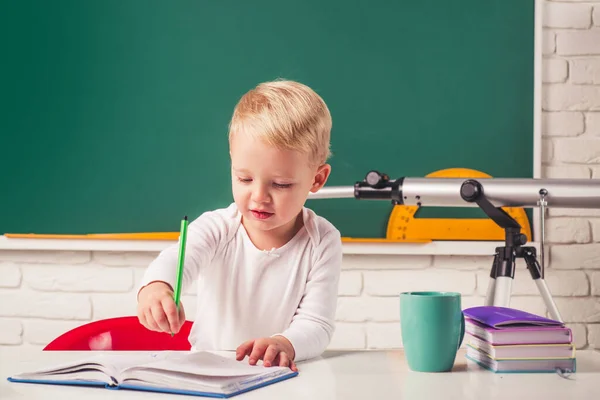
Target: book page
(203, 363)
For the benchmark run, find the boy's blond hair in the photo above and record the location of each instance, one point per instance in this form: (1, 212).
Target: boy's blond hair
(287, 115)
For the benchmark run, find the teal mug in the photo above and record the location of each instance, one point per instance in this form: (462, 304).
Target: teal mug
(433, 328)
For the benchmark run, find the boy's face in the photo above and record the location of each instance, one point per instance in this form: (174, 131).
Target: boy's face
(270, 186)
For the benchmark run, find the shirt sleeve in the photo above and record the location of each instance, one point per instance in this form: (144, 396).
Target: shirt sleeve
(203, 237)
(312, 326)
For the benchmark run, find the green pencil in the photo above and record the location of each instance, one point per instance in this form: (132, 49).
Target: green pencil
(182, 240)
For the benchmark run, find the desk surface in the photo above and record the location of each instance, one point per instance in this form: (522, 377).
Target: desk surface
(341, 375)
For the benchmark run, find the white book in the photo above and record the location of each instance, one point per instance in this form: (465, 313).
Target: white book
(191, 373)
(521, 351)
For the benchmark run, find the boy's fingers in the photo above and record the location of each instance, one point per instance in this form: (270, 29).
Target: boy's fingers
(244, 349)
(142, 318)
(258, 351)
(172, 315)
(270, 355)
(181, 316)
(284, 360)
(150, 324)
(293, 366)
(160, 318)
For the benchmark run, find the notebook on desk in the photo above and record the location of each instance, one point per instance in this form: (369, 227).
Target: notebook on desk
(190, 373)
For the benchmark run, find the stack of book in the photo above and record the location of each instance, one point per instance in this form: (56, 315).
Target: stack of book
(504, 339)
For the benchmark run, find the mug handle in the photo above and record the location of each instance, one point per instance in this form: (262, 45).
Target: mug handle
(462, 330)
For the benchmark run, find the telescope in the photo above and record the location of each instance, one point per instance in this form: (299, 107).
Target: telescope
(489, 194)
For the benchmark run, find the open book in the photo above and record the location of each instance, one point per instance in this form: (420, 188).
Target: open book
(191, 373)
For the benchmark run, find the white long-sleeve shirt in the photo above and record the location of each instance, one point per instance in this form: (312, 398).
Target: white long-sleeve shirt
(245, 293)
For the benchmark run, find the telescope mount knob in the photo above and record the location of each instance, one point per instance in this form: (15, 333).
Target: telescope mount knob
(470, 190)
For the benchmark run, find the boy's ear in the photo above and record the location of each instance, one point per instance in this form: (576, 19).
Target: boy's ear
(320, 177)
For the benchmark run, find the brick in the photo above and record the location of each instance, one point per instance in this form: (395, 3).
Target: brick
(471, 301)
(138, 275)
(596, 15)
(578, 43)
(595, 283)
(351, 283)
(575, 256)
(367, 261)
(10, 275)
(580, 151)
(565, 97)
(348, 336)
(532, 304)
(11, 332)
(360, 309)
(384, 336)
(392, 283)
(42, 332)
(83, 278)
(555, 70)
(560, 283)
(562, 123)
(24, 303)
(595, 175)
(579, 335)
(592, 124)
(561, 15)
(567, 172)
(114, 305)
(547, 151)
(462, 262)
(585, 71)
(595, 223)
(129, 259)
(568, 230)
(46, 257)
(578, 309)
(548, 42)
(594, 336)
(125, 304)
(574, 212)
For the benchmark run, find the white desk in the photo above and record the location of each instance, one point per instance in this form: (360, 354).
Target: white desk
(341, 375)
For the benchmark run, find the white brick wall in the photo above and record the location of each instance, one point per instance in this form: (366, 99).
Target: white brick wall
(571, 125)
(45, 293)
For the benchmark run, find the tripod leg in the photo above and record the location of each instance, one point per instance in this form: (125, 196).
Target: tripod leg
(491, 290)
(489, 296)
(550, 305)
(536, 274)
(503, 291)
(504, 272)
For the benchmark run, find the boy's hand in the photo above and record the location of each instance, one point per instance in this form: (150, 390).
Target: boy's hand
(157, 310)
(275, 350)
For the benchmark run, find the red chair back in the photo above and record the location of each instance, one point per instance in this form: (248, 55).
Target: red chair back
(121, 333)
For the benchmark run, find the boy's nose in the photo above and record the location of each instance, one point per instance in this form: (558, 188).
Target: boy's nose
(260, 195)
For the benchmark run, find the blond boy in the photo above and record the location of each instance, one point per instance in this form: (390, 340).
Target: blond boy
(267, 268)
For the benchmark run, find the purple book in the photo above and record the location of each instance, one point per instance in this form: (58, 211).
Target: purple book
(499, 317)
(505, 326)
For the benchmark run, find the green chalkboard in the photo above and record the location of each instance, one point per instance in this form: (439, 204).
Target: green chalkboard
(114, 113)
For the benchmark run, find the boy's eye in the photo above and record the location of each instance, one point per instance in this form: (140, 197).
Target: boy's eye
(282, 185)
(244, 180)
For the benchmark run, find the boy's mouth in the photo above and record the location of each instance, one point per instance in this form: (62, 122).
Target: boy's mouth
(261, 214)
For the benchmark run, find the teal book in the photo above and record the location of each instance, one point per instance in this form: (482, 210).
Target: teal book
(187, 373)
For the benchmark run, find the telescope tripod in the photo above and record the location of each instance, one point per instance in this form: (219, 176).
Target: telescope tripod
(503, 267)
